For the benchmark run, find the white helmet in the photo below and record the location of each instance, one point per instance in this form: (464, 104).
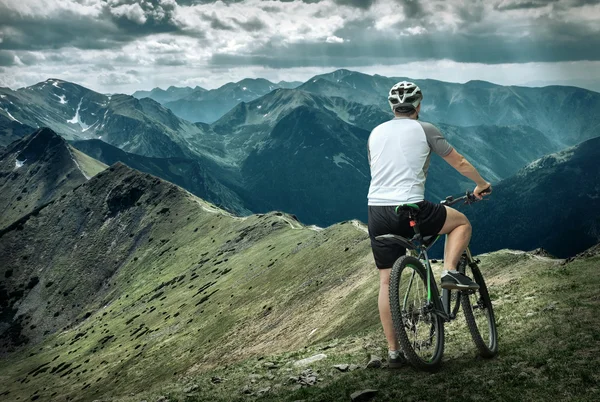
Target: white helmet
(405, 95)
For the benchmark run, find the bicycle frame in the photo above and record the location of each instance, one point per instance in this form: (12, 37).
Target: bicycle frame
(440, 306)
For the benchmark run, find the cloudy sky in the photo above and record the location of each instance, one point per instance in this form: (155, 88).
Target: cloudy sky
(124, 45)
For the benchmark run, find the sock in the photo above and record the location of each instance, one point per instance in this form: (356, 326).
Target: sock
(393, 354)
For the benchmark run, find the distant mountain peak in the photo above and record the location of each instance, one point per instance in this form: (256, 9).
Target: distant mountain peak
(481, 84)
(38, 168)
(562, 157)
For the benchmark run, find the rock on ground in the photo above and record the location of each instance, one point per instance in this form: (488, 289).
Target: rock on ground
(311, 359)
(342, 367)
(363, 395)
(374, 362)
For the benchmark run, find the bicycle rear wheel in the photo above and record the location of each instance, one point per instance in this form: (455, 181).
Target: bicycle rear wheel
(479, 314)
(420, 332)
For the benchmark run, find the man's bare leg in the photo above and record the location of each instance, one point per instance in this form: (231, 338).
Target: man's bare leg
(458, 229)
(385, 313)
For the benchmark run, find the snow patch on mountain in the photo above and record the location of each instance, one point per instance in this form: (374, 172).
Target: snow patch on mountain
(88, 127)
(11, 116)
(341, 158)
(77, 119)
(62, 99)
(19, 163)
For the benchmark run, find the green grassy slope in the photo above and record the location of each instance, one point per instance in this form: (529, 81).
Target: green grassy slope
(88, 165)
(548, 335)
(152, 281)
(129, 288)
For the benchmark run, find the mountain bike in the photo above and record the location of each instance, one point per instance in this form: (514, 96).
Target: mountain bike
(418, 310)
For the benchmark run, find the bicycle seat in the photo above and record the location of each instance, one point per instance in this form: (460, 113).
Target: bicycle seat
(392, 238)
(408, 207)
(427, 240)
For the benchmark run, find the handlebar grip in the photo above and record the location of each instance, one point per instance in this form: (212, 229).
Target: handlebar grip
(486, 191)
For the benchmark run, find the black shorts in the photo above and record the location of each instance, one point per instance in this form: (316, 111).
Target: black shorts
(385, 220)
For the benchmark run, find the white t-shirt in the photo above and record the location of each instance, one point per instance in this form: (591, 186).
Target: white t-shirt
(399, 154)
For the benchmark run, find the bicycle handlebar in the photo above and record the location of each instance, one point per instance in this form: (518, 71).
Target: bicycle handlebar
(468, 198)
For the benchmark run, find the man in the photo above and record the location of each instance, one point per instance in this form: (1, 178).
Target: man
(399, 154)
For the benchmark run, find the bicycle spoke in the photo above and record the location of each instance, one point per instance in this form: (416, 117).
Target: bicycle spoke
(416, 318)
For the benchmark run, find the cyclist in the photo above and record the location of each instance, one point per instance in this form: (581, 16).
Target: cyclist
(399, 154)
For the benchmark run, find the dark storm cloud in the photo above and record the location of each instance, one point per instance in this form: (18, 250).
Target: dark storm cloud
(521, 5)
(579, 3)
(30, 33)
(251, 25)
(29, 59)
(472, 38)
(471, 13)
(113, 28)
(412, 8)
(216, 23)
(6, 58)
(356, 3)
(380, 49)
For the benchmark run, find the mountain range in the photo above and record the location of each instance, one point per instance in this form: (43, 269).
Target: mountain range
(207, 106)
(123, 286)
(303, 150)
(567, 115)
(172, 93)
(77, 113)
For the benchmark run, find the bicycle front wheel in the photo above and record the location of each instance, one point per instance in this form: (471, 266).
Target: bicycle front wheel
(479, 314)
(420, 332)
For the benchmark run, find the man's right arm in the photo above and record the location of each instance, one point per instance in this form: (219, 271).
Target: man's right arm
(462, 165)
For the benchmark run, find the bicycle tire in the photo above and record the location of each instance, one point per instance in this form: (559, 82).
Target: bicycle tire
(401, 324)
(455, 297)
(489, 348)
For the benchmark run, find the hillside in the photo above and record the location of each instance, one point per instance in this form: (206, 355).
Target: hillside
(200, 176)
(127, 240)
(12, 130)
(332, 164)
(37, 169)
(551, 203)
(165, 293)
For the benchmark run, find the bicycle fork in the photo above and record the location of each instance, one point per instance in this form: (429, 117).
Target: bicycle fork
(438, 305)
